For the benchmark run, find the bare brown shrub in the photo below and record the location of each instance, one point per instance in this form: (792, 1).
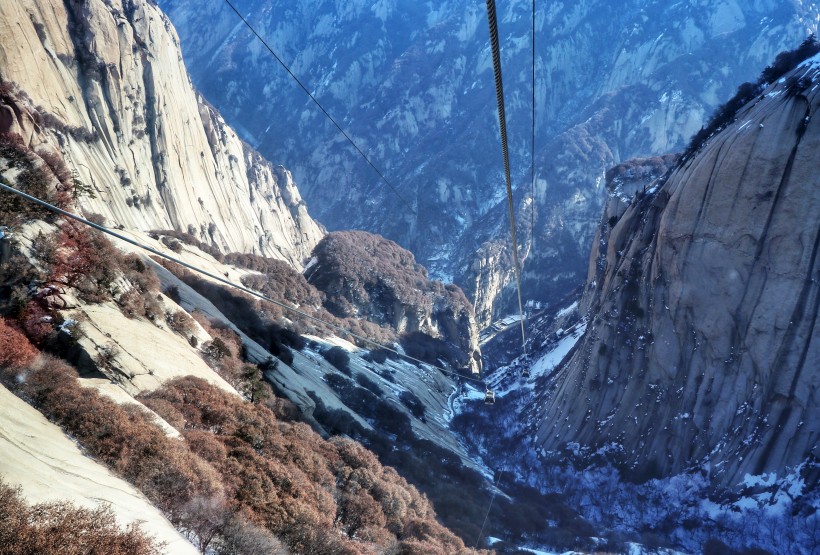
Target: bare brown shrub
(36, 322)
(142, 298)
(188, 239)
(367, 277)
(44, 247)
(32, 179)
(124, 438)
(242, 537)
(181, 322)
(318, 496)
(87, 261)
(169, 413)
(15, 349)
(66, 529)
(58, 168)
(270, 325)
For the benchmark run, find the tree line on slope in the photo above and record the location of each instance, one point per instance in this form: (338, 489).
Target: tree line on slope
(725, 113)
(378, 276)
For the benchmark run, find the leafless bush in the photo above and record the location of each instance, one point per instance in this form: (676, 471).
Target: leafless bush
(106, 356)
(44, 247)
(240, 537)
(180, 322)
(63, 528)
(15, 349)
(172, 244)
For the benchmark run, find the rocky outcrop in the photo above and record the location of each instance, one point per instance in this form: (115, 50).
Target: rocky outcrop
(615, 80)
(104, 84)
(703, 300)
(370, 277)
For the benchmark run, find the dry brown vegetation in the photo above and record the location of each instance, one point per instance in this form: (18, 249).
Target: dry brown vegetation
(75, 256)
(369, 277)
(84, 261)
(318, 496)
(362, 274)
(121, 437)
(34, 177)
(181, 323)
(223, 354)
(15, 348)
(187, 238)
(93, 264)
(241, 474)
(65, 529)
(273, 327)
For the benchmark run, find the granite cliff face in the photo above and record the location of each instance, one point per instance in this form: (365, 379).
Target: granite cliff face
(412, 83)
(703, 304)
(103, 83)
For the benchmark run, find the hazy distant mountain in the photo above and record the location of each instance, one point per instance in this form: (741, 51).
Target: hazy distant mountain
(412, 83)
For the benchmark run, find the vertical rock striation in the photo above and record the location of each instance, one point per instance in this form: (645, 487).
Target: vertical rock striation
(104, 83)
(704, 300)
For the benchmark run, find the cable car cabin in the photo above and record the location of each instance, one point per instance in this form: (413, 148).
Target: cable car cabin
(489, 397)
(525, 373)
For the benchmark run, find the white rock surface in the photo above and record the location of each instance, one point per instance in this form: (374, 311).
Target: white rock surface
(147, 356)
(161, 158)
(704, 306)
(48, 466)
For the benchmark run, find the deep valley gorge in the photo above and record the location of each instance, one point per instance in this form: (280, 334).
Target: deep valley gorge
(222, 332)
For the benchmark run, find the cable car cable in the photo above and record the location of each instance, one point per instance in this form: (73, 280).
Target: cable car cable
(502, 122)
(532, 135)
(224, 281)
(325, 112)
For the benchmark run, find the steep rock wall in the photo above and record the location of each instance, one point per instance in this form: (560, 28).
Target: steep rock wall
(704, 303)
(105, 84)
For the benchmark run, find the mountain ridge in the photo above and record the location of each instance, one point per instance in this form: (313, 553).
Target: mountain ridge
(111, 92)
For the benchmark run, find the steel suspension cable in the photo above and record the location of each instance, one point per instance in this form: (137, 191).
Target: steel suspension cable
(322, 108)
(532, 135)
(224, 281)
(490, 506)
(502, 122)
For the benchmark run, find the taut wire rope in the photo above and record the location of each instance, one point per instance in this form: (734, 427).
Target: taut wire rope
(322, 108)
(224, 281)
(502, 122)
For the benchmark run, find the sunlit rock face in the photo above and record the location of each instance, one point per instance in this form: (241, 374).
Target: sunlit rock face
(412, 84)
(104, 83)
(702, 298)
